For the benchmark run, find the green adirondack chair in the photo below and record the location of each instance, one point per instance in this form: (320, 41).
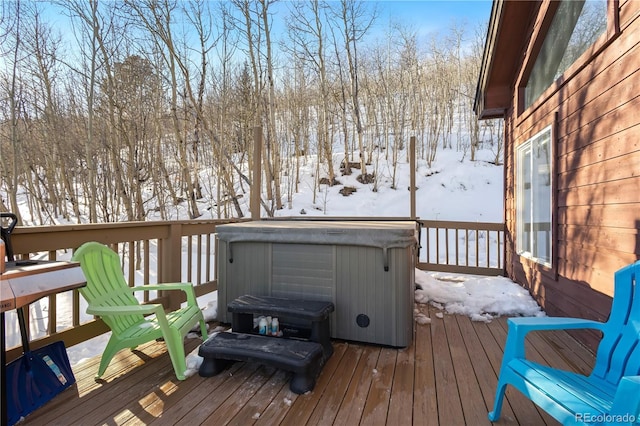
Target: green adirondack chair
(131, 323)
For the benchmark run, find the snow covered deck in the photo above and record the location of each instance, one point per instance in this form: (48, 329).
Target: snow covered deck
(446, 377)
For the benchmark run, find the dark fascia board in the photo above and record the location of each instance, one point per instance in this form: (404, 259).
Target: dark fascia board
(488, 55)
(509, 28)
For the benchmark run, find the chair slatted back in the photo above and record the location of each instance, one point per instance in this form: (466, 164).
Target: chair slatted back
(106, 285)
(619, 351)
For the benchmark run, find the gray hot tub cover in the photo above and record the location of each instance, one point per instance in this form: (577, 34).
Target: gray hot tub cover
(381, 234)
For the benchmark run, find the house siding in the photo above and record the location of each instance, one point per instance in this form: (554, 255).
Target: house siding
(594, 109)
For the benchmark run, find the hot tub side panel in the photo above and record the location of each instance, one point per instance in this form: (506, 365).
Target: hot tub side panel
(248, 273)
(303, 271)
(374, 305)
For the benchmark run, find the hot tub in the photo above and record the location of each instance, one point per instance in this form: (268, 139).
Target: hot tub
(366, 268)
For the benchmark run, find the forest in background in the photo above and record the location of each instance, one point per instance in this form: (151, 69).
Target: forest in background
(119, 113)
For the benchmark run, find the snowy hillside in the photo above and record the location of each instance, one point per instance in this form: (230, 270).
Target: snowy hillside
(452, 189)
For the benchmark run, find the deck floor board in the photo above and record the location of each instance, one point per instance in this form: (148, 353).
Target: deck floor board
(446, 376)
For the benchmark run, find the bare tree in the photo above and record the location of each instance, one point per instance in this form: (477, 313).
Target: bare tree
(156, 92)
(11, 84)
(308, 33)
(355, 21)
(156, 18)
(48, 162)
(273, 146)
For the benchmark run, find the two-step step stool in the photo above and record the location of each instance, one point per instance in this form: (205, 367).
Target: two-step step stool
(304, 357)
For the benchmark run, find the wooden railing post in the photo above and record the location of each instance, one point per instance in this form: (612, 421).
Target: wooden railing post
(171, 268)
(256, 178)
(412, 174)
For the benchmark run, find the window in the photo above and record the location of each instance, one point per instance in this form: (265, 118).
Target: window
(533, 195)
(576, 25)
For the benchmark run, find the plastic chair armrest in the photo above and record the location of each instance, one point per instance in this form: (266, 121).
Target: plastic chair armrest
(520, 326)
(527, 324)
(186, 287)
(126, 310)
(164, 286)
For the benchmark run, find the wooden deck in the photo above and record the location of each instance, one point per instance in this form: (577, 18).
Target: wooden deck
(446, 377)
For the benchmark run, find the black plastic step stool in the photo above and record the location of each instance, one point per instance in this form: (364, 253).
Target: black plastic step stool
(302, 358)
(314, 311)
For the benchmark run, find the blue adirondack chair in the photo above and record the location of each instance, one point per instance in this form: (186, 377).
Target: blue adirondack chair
(611, 393)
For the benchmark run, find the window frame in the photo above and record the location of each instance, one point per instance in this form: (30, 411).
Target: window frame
(528, 252)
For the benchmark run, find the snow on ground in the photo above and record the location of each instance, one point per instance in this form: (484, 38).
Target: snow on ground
(479, 298)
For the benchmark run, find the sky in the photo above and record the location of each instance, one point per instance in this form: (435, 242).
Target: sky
(432, 13)
(437, 14)
(426, 17)
(453, 188)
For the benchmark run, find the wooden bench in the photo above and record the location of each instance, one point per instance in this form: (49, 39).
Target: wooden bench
(611, 393)
(301, 357)
(312, 311)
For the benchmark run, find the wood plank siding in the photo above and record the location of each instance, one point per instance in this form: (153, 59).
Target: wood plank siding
(593, 110)
(447, 376)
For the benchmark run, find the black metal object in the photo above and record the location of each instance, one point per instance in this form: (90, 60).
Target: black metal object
(5, 232)
(37, 376)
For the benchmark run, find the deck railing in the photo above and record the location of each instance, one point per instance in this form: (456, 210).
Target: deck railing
(462, 247)
(151, 252)
(179, 251)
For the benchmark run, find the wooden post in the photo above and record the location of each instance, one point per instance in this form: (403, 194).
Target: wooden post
(412, 166)
(256, 178)
(170, 254)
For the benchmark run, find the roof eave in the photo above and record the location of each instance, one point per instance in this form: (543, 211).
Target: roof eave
(507, 36)
(488, 57)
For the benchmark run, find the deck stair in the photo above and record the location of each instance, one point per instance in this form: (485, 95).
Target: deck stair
(302, 356)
